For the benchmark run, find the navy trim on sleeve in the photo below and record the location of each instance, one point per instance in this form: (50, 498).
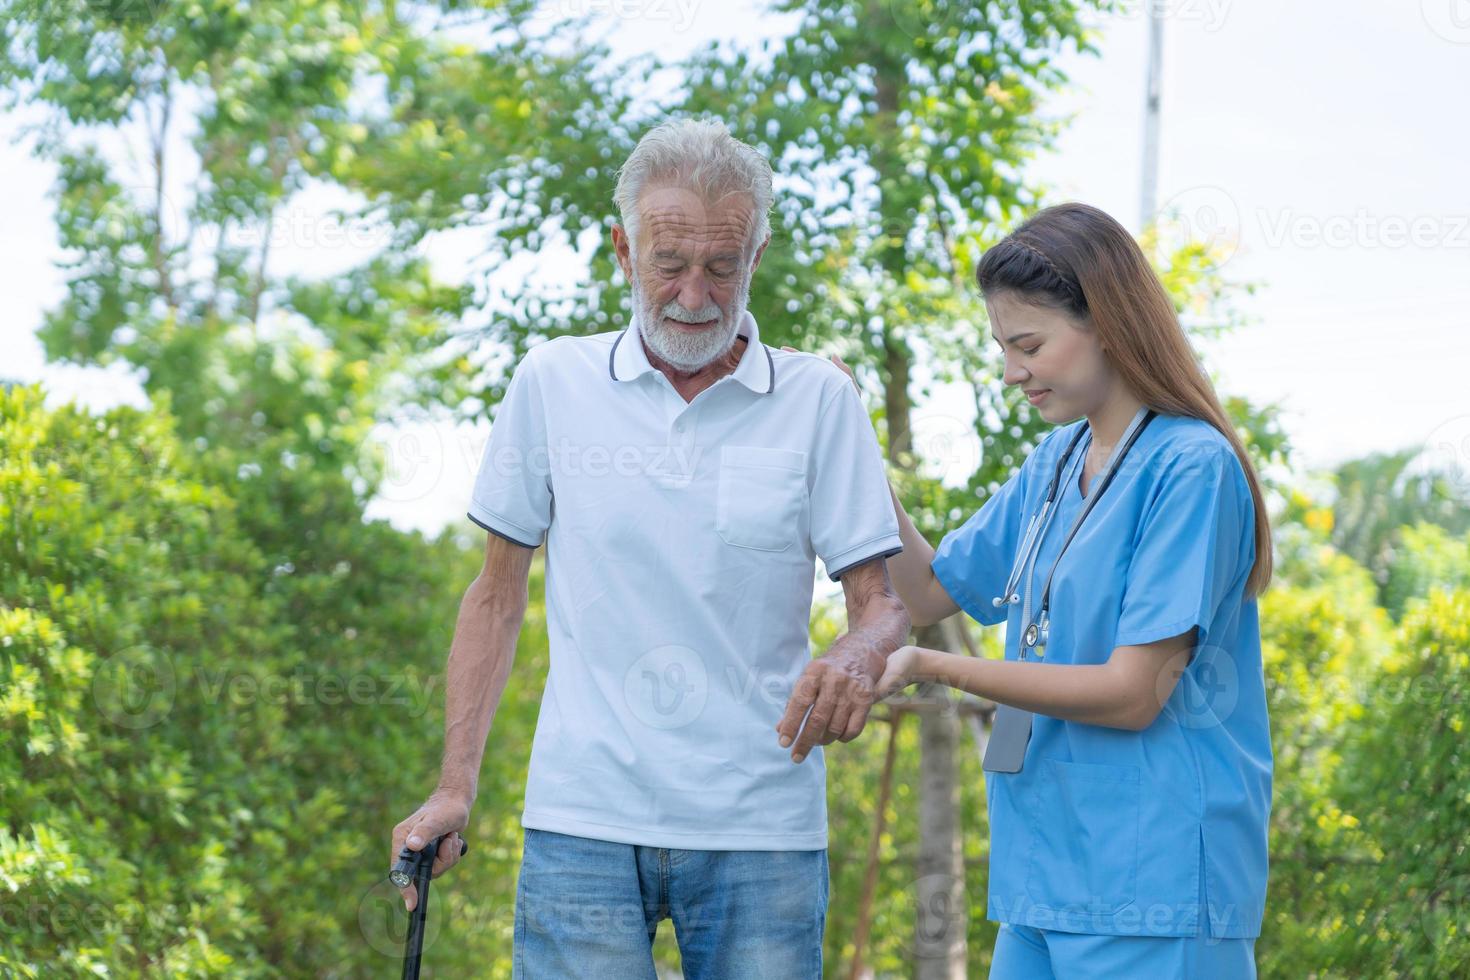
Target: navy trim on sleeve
(500, 534)
(834, 576)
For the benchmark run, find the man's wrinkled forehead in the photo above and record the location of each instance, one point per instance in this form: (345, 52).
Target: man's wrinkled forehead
(675, 217)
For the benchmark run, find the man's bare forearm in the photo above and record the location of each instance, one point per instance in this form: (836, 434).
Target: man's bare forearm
(877, 622)
(480, 659)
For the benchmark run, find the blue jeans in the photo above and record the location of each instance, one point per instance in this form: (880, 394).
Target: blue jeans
(590, 908)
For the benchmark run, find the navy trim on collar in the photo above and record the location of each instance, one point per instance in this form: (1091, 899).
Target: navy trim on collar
(613, 353)
(611, 372)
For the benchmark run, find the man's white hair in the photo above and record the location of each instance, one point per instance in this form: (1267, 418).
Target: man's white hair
(699, 155)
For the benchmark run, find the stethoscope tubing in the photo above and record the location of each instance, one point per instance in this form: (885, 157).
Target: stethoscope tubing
(1037, 630)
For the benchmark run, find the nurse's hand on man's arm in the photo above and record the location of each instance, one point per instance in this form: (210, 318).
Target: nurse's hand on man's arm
(901, 670)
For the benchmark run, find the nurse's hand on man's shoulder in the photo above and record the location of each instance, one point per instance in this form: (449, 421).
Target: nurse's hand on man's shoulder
(835, 360)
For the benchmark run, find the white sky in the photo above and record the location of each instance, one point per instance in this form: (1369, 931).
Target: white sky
(1328, 142)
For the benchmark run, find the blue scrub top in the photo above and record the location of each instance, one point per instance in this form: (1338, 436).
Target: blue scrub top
(1103, 829)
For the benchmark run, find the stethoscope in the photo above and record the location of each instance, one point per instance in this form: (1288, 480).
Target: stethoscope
(1038, 630)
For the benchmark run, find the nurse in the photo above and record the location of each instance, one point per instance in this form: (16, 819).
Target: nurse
(1128, 770)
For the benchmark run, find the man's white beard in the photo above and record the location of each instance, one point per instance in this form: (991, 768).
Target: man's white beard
(683, 350)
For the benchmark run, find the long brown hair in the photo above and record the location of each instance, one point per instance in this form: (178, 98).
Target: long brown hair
(1076, 258)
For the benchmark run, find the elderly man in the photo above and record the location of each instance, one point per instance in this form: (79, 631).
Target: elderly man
(684, 476)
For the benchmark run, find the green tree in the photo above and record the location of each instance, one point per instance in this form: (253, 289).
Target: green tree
(237, 116)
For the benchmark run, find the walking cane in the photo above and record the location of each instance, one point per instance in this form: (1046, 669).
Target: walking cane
(416, 867)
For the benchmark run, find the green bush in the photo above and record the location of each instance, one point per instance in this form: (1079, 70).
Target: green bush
(1323, 637)
(1405, 778)
(1424, 557)
(222, 689)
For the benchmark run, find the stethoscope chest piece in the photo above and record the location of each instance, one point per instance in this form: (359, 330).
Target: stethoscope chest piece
(1036, 636)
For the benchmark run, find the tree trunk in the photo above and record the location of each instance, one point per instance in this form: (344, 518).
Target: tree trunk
(939, 927)
(941, 914)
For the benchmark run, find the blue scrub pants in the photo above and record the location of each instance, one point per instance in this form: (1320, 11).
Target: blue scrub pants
(1025, 953)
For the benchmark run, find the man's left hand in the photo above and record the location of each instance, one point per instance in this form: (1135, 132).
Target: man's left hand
(838, 689)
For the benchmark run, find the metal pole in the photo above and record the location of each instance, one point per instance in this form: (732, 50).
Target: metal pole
(1148, 198)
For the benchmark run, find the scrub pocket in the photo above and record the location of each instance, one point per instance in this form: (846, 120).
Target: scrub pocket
(1085, 853)
(760, 497)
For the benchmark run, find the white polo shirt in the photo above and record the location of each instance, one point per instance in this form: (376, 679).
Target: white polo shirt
(680, 541)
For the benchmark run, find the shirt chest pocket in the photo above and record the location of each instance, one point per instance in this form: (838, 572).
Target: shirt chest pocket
(760, 498)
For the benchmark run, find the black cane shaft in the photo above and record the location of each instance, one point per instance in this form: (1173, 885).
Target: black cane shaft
(422, 864)
(413, 950)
